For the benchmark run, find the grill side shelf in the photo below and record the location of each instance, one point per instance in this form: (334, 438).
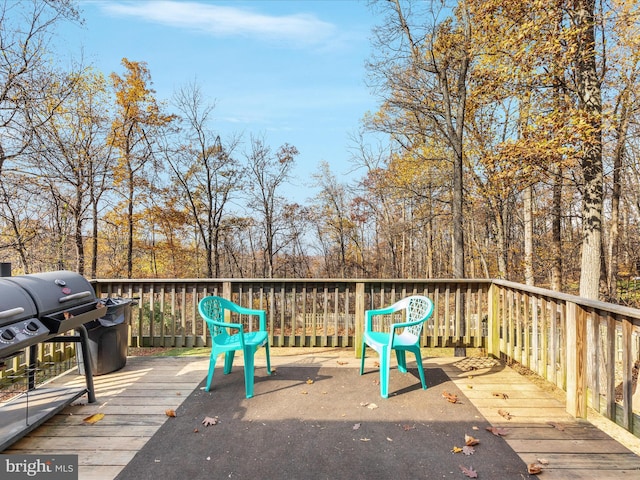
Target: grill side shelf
(73, 317)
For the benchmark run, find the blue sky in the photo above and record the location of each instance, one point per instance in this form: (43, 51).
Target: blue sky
(289, 71)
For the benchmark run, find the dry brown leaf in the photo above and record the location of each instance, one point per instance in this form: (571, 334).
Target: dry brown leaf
(456, 449)
(309, 381)
(209, 421)
(372, 406)
(505, 414)
(534, 469)
(342, 363)
(376, 364)
(470, 441)
(406, 428)
(497, 431)
(452, 398)
(195, 430)
(304, 392)
(96, 417)
(469, 472)
(468, 450)
(543, 461)
(501, 395)
(170, 413)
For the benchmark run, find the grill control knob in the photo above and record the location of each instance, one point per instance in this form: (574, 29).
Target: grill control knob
(8, 335)
(31, 327)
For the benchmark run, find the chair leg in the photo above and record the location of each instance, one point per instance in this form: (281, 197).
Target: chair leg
(402, 360)
(420, 368)
(268, 354)
(212, 366)
(249, 371)
(364, 354)
(228, 361)
(384, 373)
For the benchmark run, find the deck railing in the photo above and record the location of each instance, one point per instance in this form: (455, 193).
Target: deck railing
(589, 349)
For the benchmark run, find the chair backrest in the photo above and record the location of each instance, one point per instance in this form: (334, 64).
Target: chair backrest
(418, 308)
(212, 311)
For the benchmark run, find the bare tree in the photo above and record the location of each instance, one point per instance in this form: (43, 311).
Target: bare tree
(268, 172)
(204, 171)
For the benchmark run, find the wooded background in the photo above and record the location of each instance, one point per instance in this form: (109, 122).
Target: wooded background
(511, 151)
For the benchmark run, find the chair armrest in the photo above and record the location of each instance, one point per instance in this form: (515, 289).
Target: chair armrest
(237, 326)
(251, 311)
(369, 314)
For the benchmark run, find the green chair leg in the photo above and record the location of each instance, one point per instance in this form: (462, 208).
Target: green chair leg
(228, 361)
(248, 371)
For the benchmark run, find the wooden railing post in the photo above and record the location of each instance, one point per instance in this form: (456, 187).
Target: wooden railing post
(576, 361)
(226, 294)
(493, 321)
(359, 320)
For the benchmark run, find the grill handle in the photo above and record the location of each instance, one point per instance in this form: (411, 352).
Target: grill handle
(11, 312)
(75, 296)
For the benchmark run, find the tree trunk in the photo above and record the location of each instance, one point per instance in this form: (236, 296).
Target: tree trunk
(556, 230)
(589, 91)
(528, 235)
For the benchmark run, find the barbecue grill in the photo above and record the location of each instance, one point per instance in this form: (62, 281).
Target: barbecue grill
(38, 308)
(64, 300)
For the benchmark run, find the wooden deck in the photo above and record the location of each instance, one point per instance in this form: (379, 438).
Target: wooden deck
(134, 401)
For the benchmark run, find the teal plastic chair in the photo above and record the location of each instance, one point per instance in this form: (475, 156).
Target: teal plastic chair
(212, 309)
(414, 311)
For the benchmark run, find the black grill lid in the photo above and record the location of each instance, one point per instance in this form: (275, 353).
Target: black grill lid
(56, 291)
(15, 303)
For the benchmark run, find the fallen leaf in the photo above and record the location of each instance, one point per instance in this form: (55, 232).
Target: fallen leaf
(469, 386)
(469, 472)
(364, 404)
(534, 469)
(195, 430)
(170, 413)
(497, 431)
(356, 426)
(470, 441)
(408, 427)
(309, 381)
(365, 439)
(304, 392)
(376, 364)
(505, 414)
(556, 425)
(341, 363)
(372, 406)
(474, 428)
(209, 421)
(96, 417)
(501, 395)
(450, 397)
(467, 450)
(456, 449)
(543, 461)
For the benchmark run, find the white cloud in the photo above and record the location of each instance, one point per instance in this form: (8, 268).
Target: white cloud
(219, 20)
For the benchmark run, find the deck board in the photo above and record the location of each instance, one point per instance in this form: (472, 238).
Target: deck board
(134, 401)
